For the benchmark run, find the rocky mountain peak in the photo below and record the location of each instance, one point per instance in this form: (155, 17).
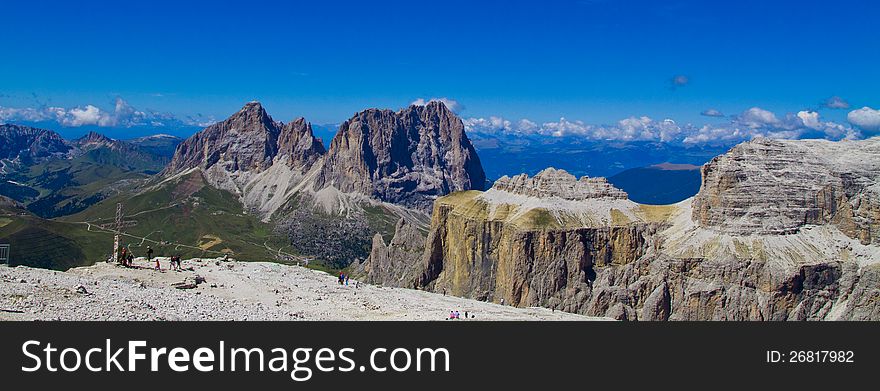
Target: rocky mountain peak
(94, 136)
(253, 118)
(246, 141)
(95, 139)
(776, 187)
(559, 183)
(409, 157)
(299, 143)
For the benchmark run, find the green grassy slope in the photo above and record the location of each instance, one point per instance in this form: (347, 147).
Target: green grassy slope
(52, 244)
(190, 219)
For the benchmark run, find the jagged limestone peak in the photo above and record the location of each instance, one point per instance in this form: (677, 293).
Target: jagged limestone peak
(559, 183)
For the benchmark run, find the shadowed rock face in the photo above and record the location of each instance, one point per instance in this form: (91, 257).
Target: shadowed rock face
(409, 157)
(249, 140)
(395, 263)
(299, 143)
(771, 186)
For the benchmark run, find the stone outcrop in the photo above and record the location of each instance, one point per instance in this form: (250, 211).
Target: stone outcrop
(408, 157)
(559, 183)
(781, 230)
(298, 143)
(395, 263)
(774, 187)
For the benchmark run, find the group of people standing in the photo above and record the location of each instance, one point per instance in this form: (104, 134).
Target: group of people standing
(343, 280)
(455, 315)
(126, 258)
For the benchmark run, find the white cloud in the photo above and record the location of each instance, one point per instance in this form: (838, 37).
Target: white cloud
(564, 128)
(712, 113)
(810, 119)
(751, 123)
(678, 81)
(866, 118)
(758, 122)
(836, 102)
(488, 125)
(757, 117)
(451, 104)
(627, 129)
(122, 115)
(89, 115)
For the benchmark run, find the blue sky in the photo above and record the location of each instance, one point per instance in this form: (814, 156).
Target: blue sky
(594, 61)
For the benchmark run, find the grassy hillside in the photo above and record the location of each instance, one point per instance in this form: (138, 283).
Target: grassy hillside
(190, 219)
(51, 244)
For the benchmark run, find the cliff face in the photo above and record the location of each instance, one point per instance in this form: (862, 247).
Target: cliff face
(776, 187)
(395, 263)
(409, 157)
(533, 265)
(521, 244)
(747, 247)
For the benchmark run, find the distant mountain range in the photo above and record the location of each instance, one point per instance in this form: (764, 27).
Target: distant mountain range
(53, 177)
(507, 154)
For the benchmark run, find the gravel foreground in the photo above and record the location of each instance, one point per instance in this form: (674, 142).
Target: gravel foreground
(231, 290)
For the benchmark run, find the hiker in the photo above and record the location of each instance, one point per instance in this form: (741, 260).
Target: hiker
(346, 279)
(451, 315)
(122, 256)
(341, 278)
(130, 260)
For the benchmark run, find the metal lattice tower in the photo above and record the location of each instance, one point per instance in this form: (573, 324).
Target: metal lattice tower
(117, 228)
